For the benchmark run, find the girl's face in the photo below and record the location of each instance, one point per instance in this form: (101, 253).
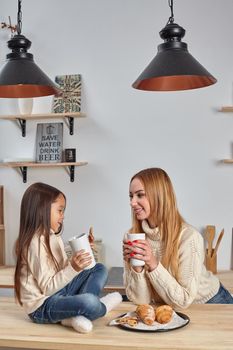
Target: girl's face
(57, 213)
(138, 200)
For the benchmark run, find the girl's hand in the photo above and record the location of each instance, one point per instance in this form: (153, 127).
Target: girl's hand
(141, 250)
(80, 260)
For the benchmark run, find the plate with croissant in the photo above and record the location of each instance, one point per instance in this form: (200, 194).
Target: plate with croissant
(150, 318)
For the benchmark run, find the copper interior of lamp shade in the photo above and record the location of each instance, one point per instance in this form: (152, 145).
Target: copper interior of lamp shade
(27, 90)
(173, 83)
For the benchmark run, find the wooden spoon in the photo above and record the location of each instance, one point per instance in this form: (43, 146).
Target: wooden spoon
(218, 242)
(91, 239)
(209, 236)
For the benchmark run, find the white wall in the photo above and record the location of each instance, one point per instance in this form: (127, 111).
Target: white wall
(110, 42)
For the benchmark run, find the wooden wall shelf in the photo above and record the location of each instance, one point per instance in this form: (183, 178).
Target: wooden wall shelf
(23, 118)
(228, 161)
(226, 109)
(24, 165)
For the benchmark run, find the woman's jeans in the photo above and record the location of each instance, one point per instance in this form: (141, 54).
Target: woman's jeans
(79, 297)
(222, 297)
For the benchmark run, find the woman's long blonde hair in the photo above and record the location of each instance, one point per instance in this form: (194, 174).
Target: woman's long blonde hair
(163, 211)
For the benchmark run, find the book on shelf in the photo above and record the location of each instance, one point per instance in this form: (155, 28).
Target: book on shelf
(70, 98)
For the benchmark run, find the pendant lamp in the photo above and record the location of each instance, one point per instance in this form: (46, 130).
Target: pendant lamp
(173, 68)
(20, 77)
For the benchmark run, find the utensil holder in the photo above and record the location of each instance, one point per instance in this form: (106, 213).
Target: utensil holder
(211, 261)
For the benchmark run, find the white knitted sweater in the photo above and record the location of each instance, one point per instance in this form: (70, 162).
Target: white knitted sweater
(42, 279)
(195, 285)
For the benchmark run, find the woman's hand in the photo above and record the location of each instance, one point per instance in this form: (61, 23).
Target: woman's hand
(141, 250)
(80, 260)
(126, 251)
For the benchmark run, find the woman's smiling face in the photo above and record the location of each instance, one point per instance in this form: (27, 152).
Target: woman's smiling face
(138, 200)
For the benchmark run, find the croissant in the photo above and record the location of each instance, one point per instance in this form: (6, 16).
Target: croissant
(163, 313)
(146, 313)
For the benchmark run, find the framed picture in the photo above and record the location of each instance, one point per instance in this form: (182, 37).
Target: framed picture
(70, 155)
(70, 99)
(49, 142)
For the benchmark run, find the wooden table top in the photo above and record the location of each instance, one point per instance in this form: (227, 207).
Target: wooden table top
(210, 328)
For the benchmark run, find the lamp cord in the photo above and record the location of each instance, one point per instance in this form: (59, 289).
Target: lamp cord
(171, 18)
(19, 18)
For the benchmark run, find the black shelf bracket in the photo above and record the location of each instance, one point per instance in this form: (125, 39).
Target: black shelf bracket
(71, 125)
(22, 123)
(23, 170)
(69, 168)
(71, 172)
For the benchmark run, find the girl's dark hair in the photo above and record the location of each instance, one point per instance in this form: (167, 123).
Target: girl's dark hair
(35, 218)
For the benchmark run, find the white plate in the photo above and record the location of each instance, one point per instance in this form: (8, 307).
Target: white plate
(178, 320)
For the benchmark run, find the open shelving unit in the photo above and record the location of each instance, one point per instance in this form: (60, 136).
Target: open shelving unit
(23, 166)
(23, 118)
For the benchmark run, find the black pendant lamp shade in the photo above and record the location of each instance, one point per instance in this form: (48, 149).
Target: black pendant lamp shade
(20, 77)
(173, 68)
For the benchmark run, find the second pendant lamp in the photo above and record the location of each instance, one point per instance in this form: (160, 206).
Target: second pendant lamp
(173, 68)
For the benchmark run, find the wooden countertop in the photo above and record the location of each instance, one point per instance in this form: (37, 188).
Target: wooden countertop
(210, 328)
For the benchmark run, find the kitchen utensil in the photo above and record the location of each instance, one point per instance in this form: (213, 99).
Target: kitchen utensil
(218, 242)
(91, 239)
(91, 235)
(209, 236)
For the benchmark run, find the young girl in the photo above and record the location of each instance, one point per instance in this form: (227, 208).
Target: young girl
(173, 251)
(51, 288)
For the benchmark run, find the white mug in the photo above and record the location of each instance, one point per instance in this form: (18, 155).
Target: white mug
(132, 237)
(82, 242)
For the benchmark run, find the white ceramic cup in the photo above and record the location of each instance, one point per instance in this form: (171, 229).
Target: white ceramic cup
(82, 242)
(132, 237)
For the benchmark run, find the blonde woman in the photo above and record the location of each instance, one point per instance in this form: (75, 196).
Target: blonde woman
(173, 251)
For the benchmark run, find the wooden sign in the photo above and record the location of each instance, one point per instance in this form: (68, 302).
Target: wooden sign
(49, 142)
(70, 98)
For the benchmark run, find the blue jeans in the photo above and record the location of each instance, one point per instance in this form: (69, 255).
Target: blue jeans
(222, 297)
(79, 297)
